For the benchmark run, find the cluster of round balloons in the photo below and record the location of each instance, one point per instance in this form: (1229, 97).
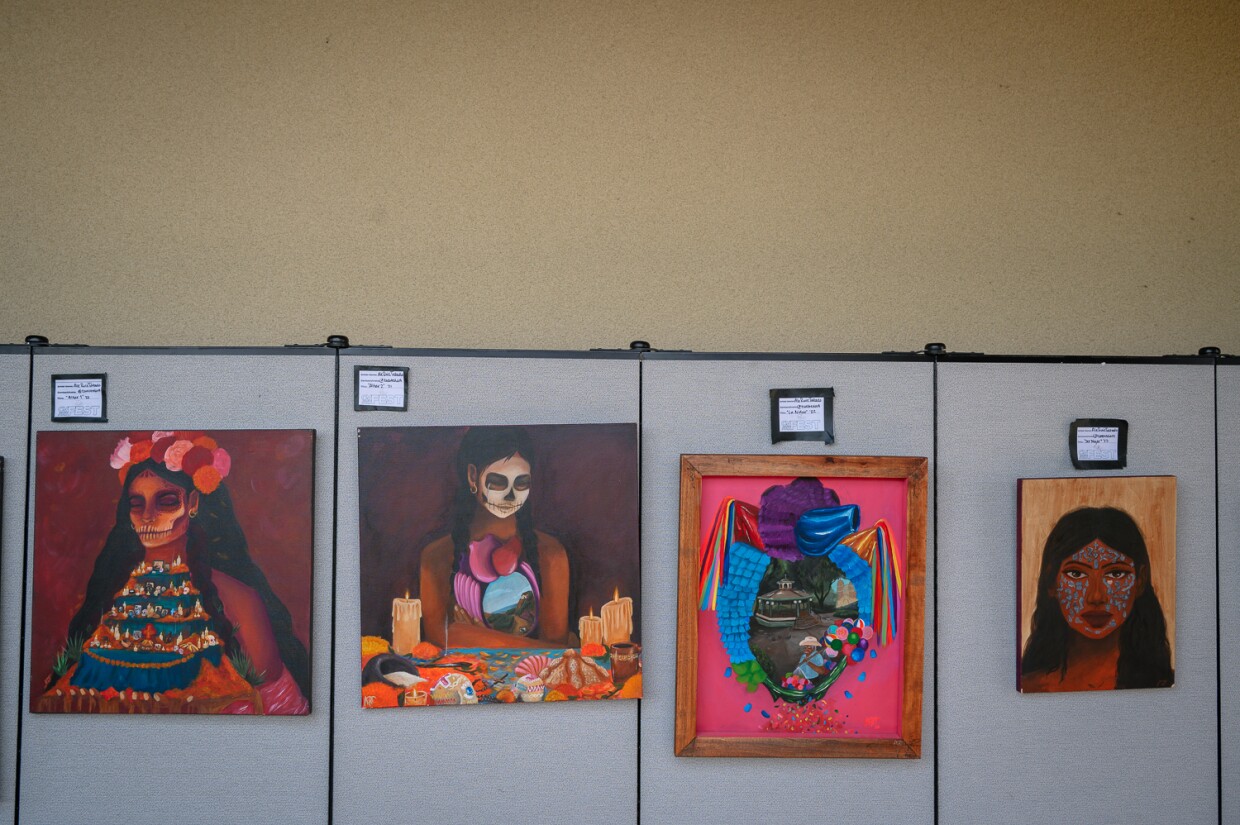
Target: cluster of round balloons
(850, 638)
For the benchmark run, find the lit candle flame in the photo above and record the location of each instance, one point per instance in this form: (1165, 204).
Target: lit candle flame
(406, 594)
(616, 597)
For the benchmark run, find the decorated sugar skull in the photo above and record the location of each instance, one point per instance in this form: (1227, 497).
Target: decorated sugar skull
(454, 689)
(530, 688)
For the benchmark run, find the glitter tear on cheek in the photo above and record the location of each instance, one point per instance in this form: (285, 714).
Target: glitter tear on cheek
(1071, 598)
(1119, 594)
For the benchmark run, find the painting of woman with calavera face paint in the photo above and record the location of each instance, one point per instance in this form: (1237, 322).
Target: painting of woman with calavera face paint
(1097, 589)
(172, 572)
(499, 564)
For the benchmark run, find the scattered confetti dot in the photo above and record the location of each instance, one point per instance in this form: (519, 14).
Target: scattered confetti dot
(766, 715)
(748, 707)
(727, 673)
(861, 678)
(848, 694)
(873, 654)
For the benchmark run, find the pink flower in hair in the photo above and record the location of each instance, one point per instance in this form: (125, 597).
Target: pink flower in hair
(174, 454)
(120, 456)
(158, 434)
(222, 462)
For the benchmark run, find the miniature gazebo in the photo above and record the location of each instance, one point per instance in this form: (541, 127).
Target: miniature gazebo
(782, 606)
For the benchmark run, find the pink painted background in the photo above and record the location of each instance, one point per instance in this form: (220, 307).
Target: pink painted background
(874, 709)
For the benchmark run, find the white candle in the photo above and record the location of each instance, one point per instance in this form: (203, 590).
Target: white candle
(406, 624)
(617, 619)
(590, 629)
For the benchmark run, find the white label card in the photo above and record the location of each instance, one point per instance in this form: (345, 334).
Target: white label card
(801, 415)
(381, 388)
(1097, 444)
(78, 398)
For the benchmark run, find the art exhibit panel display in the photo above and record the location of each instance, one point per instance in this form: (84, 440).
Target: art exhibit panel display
(499, 564)
(172, 572)
(801, 606)
(1097, 583)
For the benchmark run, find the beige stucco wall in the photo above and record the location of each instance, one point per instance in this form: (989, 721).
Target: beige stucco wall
(820, 175)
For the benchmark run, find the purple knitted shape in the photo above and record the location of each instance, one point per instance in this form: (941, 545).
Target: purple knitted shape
(780, 508)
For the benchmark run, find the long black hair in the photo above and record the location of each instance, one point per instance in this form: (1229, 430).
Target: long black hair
(1144, 652)
(483, 446)
(215, 542)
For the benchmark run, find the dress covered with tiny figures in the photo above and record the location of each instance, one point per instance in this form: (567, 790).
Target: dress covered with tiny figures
(155, 650)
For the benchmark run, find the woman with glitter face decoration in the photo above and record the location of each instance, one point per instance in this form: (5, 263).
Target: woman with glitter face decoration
(494, 580)
(1098, 624)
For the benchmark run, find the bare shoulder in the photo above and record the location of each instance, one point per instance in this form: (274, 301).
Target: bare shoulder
(233, 590)
(438, 553)
(549, 546)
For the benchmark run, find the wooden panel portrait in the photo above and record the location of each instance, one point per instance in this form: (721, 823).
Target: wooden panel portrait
(1096, 592)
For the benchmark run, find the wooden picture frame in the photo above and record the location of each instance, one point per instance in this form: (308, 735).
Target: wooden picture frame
(906, 743)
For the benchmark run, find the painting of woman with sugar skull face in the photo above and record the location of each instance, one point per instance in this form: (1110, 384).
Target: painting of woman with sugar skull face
(1097, 583)
(172, 572)
(499, 564)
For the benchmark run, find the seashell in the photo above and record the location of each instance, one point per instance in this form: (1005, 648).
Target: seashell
(532, 665)
(530, 689)
(468, 594)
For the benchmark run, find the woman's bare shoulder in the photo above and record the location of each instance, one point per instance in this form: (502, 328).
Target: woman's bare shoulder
(438, 551)
(549, 545)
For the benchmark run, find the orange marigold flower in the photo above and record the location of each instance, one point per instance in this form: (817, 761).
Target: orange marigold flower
(374, 645)
(379, 695)
(632, 688)
(593, 649)
(207, 479)
(139, 452)
(205, 441)
(122, 472)
(425, 650)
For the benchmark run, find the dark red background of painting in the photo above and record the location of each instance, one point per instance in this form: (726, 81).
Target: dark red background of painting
(76, 493)
(584, 493)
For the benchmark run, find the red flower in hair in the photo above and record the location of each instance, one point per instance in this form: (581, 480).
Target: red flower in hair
(196, 458)
(161, 446)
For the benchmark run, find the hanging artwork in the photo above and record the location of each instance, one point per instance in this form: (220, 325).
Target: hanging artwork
(1097, 583)
(499, 564)
(172, 572)
(800, 609)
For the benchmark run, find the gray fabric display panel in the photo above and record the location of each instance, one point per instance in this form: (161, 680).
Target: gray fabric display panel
(1109, 756)
(703, 405)
(575, 761)
(14, 380)
(149, 768)
(1229, 579)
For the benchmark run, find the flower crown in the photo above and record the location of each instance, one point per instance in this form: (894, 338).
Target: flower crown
(193, 453)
